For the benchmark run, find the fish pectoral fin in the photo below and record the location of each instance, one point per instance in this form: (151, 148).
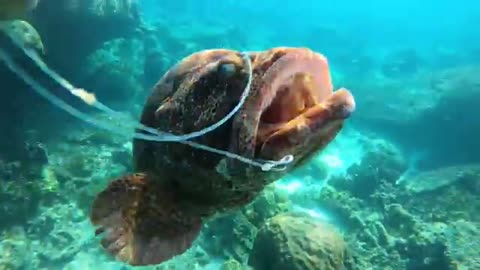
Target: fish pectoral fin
(141, 222)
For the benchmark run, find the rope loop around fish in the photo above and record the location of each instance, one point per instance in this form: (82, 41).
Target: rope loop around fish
(153, 134)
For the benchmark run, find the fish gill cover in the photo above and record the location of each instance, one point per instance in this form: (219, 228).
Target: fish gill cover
(385, 178)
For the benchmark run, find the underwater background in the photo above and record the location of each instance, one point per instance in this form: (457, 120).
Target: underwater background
(400, 183)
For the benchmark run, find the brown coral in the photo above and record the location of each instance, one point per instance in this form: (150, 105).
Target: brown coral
(298, 242)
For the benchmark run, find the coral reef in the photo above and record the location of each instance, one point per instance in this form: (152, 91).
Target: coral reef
(396, 226)
(13, 249)
(233, 265)
(113, 72)
(418, 111)
(391, 218)
(296, 241)
(66, 27)
(432, 180)
(24, 184)
(47, 196)
(393, 211)
(67, 39)
(232, 236)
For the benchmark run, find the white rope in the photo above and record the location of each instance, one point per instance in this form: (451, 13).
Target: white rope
(154, 135)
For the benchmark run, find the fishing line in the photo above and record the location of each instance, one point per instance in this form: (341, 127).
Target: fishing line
(91, 100)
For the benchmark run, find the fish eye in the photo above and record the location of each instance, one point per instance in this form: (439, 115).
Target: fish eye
(226, 69)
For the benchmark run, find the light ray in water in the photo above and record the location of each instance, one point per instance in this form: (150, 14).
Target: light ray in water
(154, 135)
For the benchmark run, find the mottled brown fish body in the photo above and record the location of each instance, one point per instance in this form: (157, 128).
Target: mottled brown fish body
(156, 213)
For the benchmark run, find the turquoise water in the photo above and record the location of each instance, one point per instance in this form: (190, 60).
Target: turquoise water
(397, 188)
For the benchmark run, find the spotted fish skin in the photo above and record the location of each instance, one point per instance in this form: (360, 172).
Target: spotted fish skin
(156, 213)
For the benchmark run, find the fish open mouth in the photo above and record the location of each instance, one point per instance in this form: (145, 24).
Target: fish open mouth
(288, 107)
(299, 109)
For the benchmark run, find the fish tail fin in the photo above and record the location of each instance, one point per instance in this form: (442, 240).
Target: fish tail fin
(142, 222)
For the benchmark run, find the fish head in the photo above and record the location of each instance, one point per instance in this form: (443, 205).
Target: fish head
(287, 107)
(292, 108)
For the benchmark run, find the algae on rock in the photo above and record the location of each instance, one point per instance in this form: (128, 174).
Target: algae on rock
(293, 241)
